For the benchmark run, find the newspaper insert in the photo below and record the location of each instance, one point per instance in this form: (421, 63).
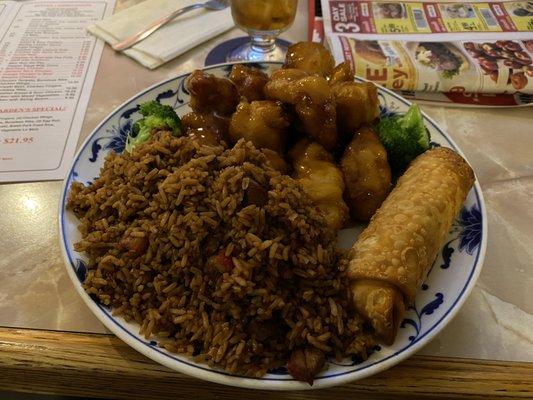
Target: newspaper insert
(475, 47)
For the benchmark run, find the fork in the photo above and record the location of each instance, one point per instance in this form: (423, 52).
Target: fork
(214, 5)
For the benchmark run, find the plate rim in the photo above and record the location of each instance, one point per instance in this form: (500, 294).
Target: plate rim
(204, 372)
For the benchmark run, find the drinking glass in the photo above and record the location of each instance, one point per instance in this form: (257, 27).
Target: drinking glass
(263, 20)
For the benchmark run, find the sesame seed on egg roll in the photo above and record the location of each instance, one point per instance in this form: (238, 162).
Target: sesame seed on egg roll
(391, 257)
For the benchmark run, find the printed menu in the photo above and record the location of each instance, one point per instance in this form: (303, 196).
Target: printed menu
(48, 63)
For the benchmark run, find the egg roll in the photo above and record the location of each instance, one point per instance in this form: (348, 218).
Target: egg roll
(391, 257)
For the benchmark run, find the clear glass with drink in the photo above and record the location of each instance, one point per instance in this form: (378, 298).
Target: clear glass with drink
(263, 20)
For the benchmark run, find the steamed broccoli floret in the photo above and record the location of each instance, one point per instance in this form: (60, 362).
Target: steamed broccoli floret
(404, 137)
(156, 117)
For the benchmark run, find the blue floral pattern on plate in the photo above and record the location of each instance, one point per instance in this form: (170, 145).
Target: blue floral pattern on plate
(442, 293)
(116, 135)
(417, 319)
(470, 236)
(468, 230)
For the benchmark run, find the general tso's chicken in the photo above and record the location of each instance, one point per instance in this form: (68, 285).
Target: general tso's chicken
(276, 160)
(249, 82)
(211, 94)
(357, 105)
(366, 173)
(263, 123)
(206, 128)
(280, 86)
(312, 100)
(341, 73)
(316, 110)
(311, 57)
(322, 180)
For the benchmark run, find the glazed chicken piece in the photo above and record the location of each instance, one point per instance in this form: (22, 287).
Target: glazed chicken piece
(263, 123)
(322, 180)
(357, 104)
(249, 82)
(211, 94)
(280, 86)
(276, 160)
(341, 73)
(313, 102)
(366, 173)
(316, 110)
(310, 57)
(207, 128)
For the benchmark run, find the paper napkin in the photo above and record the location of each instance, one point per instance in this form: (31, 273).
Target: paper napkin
(173, 39)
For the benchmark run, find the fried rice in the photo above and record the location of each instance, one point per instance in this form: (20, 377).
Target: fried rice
(215, 255)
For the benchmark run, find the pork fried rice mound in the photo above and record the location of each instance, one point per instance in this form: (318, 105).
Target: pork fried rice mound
(216, 255)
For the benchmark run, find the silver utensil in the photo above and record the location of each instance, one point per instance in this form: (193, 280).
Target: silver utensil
(214, 5)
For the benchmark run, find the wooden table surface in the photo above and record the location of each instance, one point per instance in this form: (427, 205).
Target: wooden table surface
(51, 343)
(98, 365)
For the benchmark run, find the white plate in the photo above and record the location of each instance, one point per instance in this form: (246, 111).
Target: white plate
(448, 284)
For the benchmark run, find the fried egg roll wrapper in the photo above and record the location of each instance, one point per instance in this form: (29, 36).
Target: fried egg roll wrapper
(381, 304)
(391, 257)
